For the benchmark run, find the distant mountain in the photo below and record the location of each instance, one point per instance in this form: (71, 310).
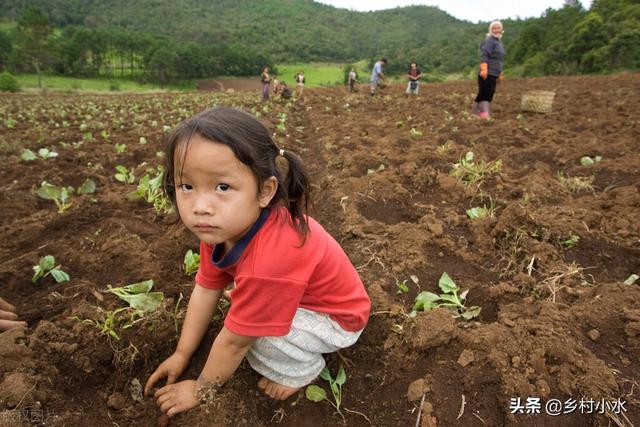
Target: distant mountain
(284, 30)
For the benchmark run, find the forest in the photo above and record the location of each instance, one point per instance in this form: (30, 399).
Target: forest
(163, 41)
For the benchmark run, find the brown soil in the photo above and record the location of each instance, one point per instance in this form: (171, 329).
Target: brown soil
(556, 322)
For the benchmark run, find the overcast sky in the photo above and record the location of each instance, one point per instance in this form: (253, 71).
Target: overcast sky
(470, 10)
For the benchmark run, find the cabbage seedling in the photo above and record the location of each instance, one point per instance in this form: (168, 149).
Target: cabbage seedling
(151, 190)
(402, 287)
(44, 153)
(570, 241)
(60, 195)
(478, 212)
(317, 394)
(125, 175)
(426, 301)
(138, 295)
(191, 262)
(588, 161)
(47, 266)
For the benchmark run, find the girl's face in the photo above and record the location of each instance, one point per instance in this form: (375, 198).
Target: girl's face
(217, 195)
(496, 30)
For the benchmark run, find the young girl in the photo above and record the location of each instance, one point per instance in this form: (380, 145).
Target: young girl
(296, 293)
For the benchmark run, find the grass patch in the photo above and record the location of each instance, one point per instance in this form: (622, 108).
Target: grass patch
(315, 73)
(30, 81)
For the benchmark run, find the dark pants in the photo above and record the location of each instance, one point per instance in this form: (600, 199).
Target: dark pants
(486, 88)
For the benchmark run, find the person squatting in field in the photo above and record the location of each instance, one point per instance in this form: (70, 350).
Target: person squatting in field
(296, 293)
(377, 75)
(414, 75)
(491, 64)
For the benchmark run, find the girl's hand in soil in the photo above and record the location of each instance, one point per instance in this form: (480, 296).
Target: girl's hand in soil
(171, 368)
(175, 398)
(8, 317)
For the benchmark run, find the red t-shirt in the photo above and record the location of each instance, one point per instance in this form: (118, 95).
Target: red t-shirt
(274, 276)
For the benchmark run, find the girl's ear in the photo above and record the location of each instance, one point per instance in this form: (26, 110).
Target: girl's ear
(268, 190)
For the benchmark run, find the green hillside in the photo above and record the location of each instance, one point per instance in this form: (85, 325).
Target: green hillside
(169, 41)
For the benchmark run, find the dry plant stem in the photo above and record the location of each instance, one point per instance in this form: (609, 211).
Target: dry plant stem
(478, 417)
(359, 413)
(463, 403)
(278, 416)
(25, 395)
(552, 282)
(420, 409)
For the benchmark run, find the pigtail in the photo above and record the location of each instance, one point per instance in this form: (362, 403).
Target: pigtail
(296, 185)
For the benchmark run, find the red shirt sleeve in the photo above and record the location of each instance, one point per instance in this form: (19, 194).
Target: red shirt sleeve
(208, 276)
(263, 307)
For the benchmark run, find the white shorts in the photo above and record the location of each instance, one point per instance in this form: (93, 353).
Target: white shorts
(295, 359)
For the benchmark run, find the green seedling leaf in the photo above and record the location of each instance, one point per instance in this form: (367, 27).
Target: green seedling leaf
(450, 298)
(139, 287)
(471, 312)
(341, 378)
(59, 275)
(631, 279)
(28, 155)
(315, 393)
(425, 301)
(468, 157)
(326, 375)
(145, 302)
(402, 287)
(138, 295)
(447, 284)
(87, 187)
(586, 161)
(48, 191)
(191, 262)
(47, 262)
(45, 153)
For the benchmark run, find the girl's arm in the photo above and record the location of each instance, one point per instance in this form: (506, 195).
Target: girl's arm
(225, 356)
(202, 305)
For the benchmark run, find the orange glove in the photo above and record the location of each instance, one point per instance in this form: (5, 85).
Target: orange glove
(484, 70)
(501, 77)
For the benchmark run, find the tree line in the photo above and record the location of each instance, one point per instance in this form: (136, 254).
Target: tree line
(35, 46)
(181, 41)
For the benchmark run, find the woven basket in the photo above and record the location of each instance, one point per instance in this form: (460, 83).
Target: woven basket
(539, 101)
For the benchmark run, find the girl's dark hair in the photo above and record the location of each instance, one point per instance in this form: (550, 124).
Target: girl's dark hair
(252, 145)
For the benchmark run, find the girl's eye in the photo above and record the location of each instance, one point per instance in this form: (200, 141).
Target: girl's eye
(223, 187)
(185, 187)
